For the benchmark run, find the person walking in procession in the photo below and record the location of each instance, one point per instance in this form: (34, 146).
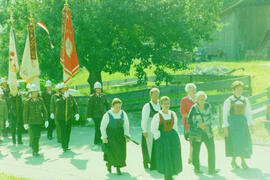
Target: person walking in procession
(6, 91)
(115, 133)
(47, 95)
(3, 112)
(65, 108)
(97, 106)
(35, 116)
(168, 147)
(185, 107)
(148, 112)
(201, 120)
(52, 112)
(15, 109)
(237, 124)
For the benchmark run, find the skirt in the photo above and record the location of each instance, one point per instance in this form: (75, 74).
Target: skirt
(238, 143)
(168, 153)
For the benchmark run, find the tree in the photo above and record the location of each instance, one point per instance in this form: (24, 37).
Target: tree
(113, 35)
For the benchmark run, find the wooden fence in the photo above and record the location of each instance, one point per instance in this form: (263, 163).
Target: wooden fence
(134, 101)
(176, 79)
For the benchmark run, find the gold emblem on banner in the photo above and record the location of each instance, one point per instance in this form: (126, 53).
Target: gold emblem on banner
(69, 47)
(32, 41)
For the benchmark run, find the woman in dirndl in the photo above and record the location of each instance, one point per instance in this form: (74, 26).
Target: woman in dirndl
(237, 124)
(167, 144)
(115, 133)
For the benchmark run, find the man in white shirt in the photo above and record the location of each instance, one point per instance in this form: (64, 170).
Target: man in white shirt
(148, 111)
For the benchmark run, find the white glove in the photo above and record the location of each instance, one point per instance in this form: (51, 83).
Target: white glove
(7, 124)
(26, 126)
(89, 119)
(46, 124)
(66, 94)
(52, 116)
(77, 117)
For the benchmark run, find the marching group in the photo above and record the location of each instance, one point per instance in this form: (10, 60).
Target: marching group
(161, 147)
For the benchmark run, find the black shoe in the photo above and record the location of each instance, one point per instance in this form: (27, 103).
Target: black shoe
(20, 142)
(66, 149)
(50, 137)
(109, 168)
(234, 165)
(35, 154)
(118, 171)
(244, 165)
(198, 171)
(14, 142)
(213, 172)
(145, 165)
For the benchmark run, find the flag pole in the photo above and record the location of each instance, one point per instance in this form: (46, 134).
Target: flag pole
(11, 19)
(31, 18)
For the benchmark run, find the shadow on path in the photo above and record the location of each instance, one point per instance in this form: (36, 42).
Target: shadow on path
(35, 160)
(251, 173)
(79, 163)
(124, 176)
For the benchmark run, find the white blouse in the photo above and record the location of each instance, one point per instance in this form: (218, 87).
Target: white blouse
(227, 107)
(156, 121)
(146, 113)
(106, 119)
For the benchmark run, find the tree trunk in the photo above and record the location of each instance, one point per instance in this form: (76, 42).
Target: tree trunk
(94, 76)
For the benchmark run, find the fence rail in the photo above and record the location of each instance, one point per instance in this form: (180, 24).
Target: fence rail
(180, 78)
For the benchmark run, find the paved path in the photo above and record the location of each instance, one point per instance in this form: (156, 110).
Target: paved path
(84, 163)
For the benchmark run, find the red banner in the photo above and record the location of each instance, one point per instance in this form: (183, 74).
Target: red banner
(69, 58)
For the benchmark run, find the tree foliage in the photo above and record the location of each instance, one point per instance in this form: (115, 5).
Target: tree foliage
(113, 35)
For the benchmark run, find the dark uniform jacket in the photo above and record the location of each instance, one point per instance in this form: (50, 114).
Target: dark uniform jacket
(46, 96)
(6, 92)
(64, 108)
(15, 107)
(34, 112)
(97, 106)
(3, 113)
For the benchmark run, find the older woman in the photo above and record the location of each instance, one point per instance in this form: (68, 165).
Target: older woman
(236, 121)
(186, 104)
(200, 119)
(148, 111)
(115, 133)
(168, 149)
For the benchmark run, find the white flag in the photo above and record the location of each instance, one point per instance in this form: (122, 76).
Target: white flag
(13, 64)
(30, 67)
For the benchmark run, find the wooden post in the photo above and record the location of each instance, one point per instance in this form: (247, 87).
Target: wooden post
(249, 86)
(220, 118)
(268, 93)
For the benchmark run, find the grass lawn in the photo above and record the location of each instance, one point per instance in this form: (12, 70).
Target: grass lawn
(258, 70)
(5, 177)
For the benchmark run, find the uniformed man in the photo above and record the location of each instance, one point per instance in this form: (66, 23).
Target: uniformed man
(15, 117)
(97, 106)
(64, 109)
(6, 90)
(52, 111)
(46, 95)
(3, 112)
(34, 116)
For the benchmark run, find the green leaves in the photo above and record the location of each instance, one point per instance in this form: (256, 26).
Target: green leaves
(111, 35)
